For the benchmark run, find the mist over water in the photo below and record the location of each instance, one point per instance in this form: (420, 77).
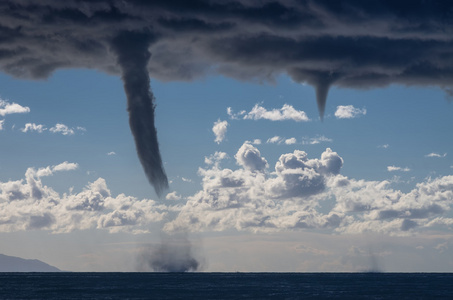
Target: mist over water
(172, 254)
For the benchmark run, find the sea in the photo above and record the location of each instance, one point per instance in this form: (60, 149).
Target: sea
(226, 285)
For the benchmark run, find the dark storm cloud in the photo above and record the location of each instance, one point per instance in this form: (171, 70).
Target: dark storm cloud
(357, 44)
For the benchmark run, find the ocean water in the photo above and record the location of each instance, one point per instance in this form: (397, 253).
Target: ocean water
(226, 285)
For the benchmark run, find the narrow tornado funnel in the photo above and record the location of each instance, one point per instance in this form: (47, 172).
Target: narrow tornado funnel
(322, 89)
(132, 52)
(320, 80)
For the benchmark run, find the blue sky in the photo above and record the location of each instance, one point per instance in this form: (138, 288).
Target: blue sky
(399, 135)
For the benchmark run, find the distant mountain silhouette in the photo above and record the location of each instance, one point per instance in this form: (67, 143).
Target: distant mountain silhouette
(17, 264)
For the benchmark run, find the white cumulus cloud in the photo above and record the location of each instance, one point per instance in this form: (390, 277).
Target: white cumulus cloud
(250, 158)
(173, 196)
(274, 140)
(7, 108)
(250, 198)
(290, 141)
(287, 112)
(220, 129)
(348, 112)
(65, 166)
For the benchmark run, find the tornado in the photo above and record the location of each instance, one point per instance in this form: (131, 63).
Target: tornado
(131, 49)
(322, 89)
(320, 80)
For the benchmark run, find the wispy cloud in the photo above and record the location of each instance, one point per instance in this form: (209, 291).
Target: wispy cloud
(216, 158)
(255, 142)
(315, 140)
(304, 141)
(349, 112)
(400, 169)
(1, 124)
(274, 140)
(386, 146)
(63, 129)
(111, 153)
(32, 127)
(58, 128)
(220, 129)
(186, 179)
(7, 108)
(235, 116)
(433, 154)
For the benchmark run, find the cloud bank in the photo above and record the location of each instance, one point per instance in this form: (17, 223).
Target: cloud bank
(297, 193)
(28, 204)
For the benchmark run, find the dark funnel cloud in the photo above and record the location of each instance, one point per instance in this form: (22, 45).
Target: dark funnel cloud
(173, 254)
(350, 43)
(133, 57)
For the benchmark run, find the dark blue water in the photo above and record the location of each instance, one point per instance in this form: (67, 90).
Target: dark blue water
(226, 285)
